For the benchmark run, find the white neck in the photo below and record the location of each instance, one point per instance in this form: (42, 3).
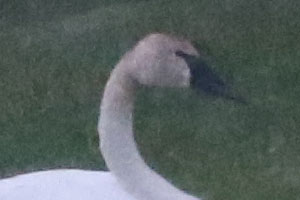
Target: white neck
(119, 148)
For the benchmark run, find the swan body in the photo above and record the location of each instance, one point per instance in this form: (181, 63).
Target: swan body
(157, 60)
(63, 184)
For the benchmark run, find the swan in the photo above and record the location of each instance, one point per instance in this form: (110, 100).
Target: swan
(158, 60)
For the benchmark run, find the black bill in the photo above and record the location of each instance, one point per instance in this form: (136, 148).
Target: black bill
(203, 78)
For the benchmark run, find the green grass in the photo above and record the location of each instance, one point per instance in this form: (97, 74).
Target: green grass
(55, 57)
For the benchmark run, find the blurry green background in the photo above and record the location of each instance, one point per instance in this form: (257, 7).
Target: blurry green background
(56, 55)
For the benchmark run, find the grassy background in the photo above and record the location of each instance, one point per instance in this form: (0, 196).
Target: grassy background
(55, 57)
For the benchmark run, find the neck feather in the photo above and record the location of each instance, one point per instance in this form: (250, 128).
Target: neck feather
(119, 148)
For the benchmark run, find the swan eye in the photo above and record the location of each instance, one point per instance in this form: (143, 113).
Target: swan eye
(187, 57)
(180, 54)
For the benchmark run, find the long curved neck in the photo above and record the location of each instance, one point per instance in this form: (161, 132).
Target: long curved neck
(119, 148)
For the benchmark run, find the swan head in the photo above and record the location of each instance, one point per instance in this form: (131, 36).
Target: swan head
(153, 61)
(164, 61)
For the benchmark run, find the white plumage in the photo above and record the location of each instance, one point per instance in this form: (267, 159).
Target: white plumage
(63, 184)
(152, 62)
